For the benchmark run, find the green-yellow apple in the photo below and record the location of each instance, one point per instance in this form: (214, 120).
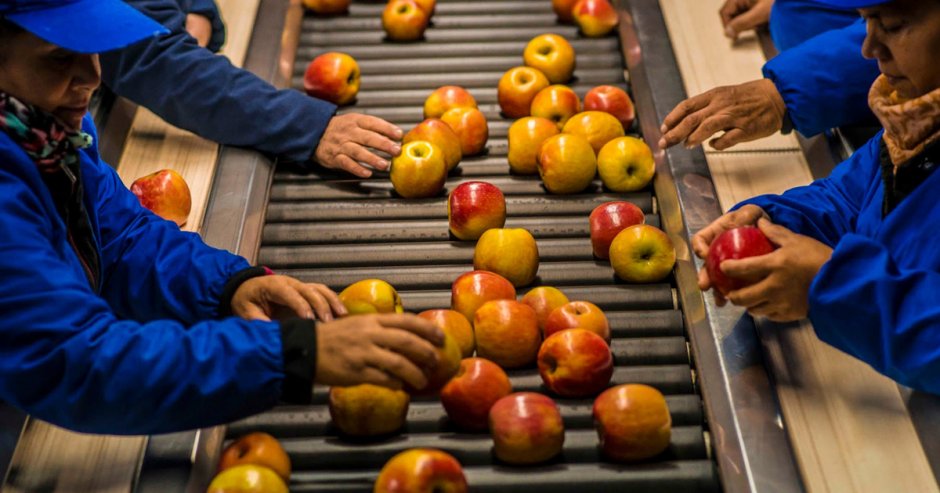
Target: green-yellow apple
(575, 363)
(474, 207)
(526, 136)
(543, 300)
(421, 470)
(166, 194)
(517, 88)
(468, 396)
(567, 163)
(633, 422)
(472, 289)
(613, 100)
(371, 296)
(509, 252)
(557, 103)
(368, 410)
(642, 253)
(471, 128)
(597, 127)
(247, 478)
(595, 18)
(580, 315)
(446, 97)
(435, 131)
(626, 164)
(553, 55)
(327, 7)
(527, 428)
(419, 171)
(507, 333)
(607, 220)
(563, 9)
(404, 20)
(455, 324)
(257, 448)
(334, 77)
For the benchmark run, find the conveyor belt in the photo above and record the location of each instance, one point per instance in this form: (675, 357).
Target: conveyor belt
(328, 228)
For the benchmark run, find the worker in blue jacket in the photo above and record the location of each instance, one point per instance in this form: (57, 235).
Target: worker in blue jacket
(193, 89)
(114, 320)
(857, 252)
(816, 85)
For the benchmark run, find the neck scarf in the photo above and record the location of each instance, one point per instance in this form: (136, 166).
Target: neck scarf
(49, 143)
(910, 124)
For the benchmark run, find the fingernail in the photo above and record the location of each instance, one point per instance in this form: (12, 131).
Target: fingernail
(663, 129)
(661, 143)
(396, 150)
(399, 133)
(729, 32)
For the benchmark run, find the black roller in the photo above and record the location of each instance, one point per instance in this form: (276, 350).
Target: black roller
(419, 50)
(433, 36)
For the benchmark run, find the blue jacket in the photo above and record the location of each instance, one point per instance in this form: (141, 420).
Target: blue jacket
(794, 21)
(193, 89)
(878, 297)
(145, 354)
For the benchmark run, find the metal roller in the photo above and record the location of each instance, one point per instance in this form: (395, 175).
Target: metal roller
(505, 48)
(613, 297)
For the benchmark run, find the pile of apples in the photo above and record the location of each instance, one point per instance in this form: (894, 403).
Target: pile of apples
(253, 462)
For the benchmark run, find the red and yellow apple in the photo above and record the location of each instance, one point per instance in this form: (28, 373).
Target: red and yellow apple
(435, 131)
(526, 136)
(419, 171)
(368, 410)
(447, 97)
(257, 448)
(595, 18)
(578, 315)
(471, 128)
(327, 7)
(527, 428)
(474, 207)
(421, 470)
(557, 103)
(247, 478)
(552, 55)
(166, 194)
(613, 100)
(566, 163)
(455, 324)
(733, 244)
(607, 220)
(626, 164)
(334, 77)
(597, 127)
(544, 299)
(575, 363)
(468, 396)
(509, 252)
(507, 333)
(427, 5)
(404, 20)
(632, 422)
(563, 10)
(472, 289)
(642, 253)
(371, 296)
(517, 88)
(448, 362)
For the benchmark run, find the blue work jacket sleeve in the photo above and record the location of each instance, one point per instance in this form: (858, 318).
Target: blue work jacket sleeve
(209, 10)
(193, 89)
(824, 81)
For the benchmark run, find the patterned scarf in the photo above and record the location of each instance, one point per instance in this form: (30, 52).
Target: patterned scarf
(910, 124)
(49, 143)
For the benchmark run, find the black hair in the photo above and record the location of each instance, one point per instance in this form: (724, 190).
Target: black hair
(7, 31)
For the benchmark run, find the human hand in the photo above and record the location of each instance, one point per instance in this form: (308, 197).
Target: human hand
(386, 349)
(738, 16)
(701, 241)
(199, 27)
(345, 143)
(274, 296)
(781, 279)
(744, 112)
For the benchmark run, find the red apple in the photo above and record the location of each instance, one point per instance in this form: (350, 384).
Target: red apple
(447, 97)
(607, 220)
(468, 396)
(575, 363)
(613, 100)
(371, 296)
(580, 315)
(597, 127)
(517, 88)
(472, 289)
(642, 253)
(626, 164)
(507, 333)
(247, 478)
(166, 194)
(455, 324)
(509, 252)
(563, 10)
(595, 18)
(435, 131)
(543, 300)
(733, 244)
(421, 470)
(257, 448)
(526, 136)
(632, 422)
(566, 164)
(526, 428)
(368, 410)
(327, 7)
(419, 171)
(471, 128)
(333, 77)
(474, 207)
(404, 20)
(552, 55)
(557, 103)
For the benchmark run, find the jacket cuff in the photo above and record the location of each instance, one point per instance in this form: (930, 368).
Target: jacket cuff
(299, 350)
(232, 285)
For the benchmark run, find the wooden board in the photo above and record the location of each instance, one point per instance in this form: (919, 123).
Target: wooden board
(742, 175)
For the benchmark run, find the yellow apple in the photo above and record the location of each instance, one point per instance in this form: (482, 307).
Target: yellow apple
(526, 136)
(419, 171)
(567, 163)
(553, 55)
(368, 410)
(247, 478)
(517, 88)
(626, 164)
(509, 252)
(471, 128)
(371, 296)
(597, 127)
(446, 97)
(557, 103)
(435, 131)
(642, 253)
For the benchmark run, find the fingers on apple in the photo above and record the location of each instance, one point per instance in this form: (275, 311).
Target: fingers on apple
(409, 345)
(336, 305)
(399, 367)
(414, 324)
(287, 294)
(317, 300)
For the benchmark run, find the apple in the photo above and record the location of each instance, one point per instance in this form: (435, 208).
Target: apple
(472, 289)
(517, 88)
(526, 428)
(448, 362)
(427, 5)
(447, 97)
(247, 478)
(578, 315)
(166, 194)
(327, 7)
(435, 131)
(557, 103)
(626, 164)
(526, 136)
(404, 20)
(575, 363)
(468, 396)
(607, 220)
(566, 163)
(507, 333)
(371, 296)
(455, 324)
(421, 470)
(257, 448)
(419, 171)
(543, 300)
(632, 422)
(368, 410)
(509, 252)
(553, 55)
(733, 244)
(597, 127)
(642, 253)
(613, 100)
(333, 77)
(474, 207)
(595, 18)
(563, 9)
(471, 128)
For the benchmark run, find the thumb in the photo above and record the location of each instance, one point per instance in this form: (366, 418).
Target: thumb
(744, 22)
(778, 235)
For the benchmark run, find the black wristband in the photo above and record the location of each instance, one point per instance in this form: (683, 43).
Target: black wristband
(299, 350)
(787, 124)
(232, 285)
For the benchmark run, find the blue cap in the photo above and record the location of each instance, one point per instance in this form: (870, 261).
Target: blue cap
(82, 26)
(852, 4)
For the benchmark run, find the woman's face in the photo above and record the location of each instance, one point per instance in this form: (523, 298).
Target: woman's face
(52, 78)
(904, 36)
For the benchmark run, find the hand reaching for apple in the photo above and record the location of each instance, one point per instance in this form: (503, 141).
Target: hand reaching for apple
(744, 112)
(738, 16)
(386, 349)
(745, 216)
(347, 140)
(267, 297)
